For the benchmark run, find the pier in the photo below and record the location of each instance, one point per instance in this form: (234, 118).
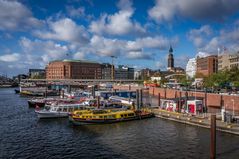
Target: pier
(200, 121)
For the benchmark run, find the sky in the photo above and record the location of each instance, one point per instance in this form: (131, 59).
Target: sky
(137, 32)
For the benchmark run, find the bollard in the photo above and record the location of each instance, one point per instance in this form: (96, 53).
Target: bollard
(205, 102)
(46, 92)
(69, 88)
(165, 93)
(93, 91)
(133, 105)
(180, 102)
(213, 137)
(137, 99)
(141, 98)
(98, 102)
(159, 99)
(63, 94)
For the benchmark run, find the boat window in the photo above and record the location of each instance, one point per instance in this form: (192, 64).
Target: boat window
(101, 116)
(121, 115)
(125, 115)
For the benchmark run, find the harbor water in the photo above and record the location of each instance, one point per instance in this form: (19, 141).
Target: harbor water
(23, 135)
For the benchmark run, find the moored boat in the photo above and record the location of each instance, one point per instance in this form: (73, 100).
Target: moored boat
(106, 116)
(58, 111)
(41, 102)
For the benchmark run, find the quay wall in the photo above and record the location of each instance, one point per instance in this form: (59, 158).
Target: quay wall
(213, 101)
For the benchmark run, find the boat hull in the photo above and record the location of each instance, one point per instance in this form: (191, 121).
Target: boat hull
(34, 104)
(77, 121)
(47, 114)
(17, 91)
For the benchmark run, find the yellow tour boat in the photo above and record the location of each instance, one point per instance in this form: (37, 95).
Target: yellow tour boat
(104, 116)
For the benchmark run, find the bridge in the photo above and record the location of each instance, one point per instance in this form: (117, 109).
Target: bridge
(28, 82)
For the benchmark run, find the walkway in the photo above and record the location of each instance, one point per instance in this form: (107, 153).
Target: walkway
(197, 121)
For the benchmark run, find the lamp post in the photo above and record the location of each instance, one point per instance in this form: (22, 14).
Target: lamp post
(233, 112)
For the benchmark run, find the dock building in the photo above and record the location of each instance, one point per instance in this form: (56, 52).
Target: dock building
(73, 69)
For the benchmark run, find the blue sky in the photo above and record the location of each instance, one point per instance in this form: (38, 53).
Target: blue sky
(137, 32)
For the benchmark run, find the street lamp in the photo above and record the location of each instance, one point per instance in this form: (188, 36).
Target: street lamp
(233, 113)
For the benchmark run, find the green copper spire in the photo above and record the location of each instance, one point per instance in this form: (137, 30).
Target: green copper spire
(170, 49)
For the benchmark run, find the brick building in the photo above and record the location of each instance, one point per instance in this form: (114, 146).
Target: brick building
(207, 65)
(73, 69)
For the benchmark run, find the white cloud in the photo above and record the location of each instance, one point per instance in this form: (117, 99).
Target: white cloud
(79, 55)
(78, 13)
(119, 23)
(199, 36)
(216, 10)
(65, 30)
(206, 40)
(10, 57)
(125, 5)
(128, 49)
(75, 12)
(106, 47)
(158, 42)
(35, 54)
(138, 55)
(46, 50)
(15, 16)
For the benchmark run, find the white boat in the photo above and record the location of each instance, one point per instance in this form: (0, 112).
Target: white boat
(122, 100)
(58, 111)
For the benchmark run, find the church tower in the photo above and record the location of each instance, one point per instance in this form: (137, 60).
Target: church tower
(170, 59)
